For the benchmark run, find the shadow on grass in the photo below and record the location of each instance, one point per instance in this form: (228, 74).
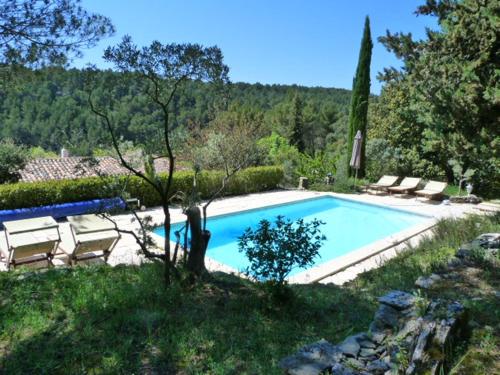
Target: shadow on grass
(122, 320)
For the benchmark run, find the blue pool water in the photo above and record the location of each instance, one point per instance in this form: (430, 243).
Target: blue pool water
(348, 226)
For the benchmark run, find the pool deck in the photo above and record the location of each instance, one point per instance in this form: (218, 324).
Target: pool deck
(337, 271)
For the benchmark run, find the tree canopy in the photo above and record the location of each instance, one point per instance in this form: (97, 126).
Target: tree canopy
(159, 71)
(51, 110)
(40, 32)
(443, 104)
(12, 159)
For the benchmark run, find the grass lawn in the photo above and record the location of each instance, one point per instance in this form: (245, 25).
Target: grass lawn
(103, 320)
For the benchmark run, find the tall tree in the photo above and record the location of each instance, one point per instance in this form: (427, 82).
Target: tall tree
(160, 71)
(229, 144)
(450, 83)
(360, 94)
(297, 122)
(39, 32)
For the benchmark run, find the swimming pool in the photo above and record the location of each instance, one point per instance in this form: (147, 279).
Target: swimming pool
(348, 226)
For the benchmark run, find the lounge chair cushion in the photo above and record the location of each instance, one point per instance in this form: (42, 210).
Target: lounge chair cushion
(435, 186)
(408, 183)
(30, 225)
(90, 224)
(384, 182)
(427, 192)
(432, 188)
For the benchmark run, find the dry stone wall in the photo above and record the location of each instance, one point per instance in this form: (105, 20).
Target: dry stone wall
(408, 335)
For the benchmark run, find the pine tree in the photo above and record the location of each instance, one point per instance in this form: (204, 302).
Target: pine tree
(360, 94)
(297, 137)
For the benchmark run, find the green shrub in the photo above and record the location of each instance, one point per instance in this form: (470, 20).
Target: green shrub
(12, 159)
(275, 250)
(381, 158)
(33, 194)
(316, 168)
(276, 150)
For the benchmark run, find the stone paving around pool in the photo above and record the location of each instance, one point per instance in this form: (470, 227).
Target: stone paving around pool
(344, 268)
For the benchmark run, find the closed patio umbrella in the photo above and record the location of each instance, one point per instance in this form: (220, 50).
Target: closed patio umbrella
(356, 154)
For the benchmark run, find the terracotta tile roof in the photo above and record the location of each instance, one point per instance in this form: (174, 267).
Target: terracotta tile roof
(76, 167)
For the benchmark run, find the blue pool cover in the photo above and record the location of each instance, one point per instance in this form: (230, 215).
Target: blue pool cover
(58, 211)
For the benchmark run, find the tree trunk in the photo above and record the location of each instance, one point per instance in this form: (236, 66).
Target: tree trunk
(199, 242)
(167, 264)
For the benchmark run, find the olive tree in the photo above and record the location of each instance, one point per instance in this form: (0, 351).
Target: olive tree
(229, 144)
(160, 71)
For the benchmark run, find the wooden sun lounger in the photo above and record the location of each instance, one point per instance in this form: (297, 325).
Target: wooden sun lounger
(31, 241)
(408, 185)
(93, 237)
(383, 184)
(433, 189)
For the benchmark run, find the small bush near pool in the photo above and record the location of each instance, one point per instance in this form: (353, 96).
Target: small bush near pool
(34, 194)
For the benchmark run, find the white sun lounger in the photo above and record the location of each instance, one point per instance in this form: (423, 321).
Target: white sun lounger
(433, 189)
(31, 240)
(407, 185)
(93, 237)
(382, 184)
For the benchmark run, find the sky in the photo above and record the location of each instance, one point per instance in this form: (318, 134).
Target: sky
(303, 42)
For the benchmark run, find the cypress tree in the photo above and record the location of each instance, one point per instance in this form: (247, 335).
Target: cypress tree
(297, 137)
(359, 100)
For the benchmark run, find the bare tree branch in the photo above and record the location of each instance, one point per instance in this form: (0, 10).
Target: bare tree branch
(116, 146)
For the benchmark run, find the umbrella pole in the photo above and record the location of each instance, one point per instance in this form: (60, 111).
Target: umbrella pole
(355, 177)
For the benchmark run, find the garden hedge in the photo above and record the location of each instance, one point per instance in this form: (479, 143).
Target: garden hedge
(34, 194)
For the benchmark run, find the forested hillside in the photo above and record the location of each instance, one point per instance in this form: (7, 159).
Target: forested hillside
(51, 110)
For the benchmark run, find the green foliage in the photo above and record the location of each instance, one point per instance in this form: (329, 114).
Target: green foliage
(412, 164)
(230, 142)
(26, 194)
(460, 175)
(384, 158)
(275, 150)
(343, 183)
(381, 159)
(485, 259)
(51, 110)
(443, 104)
(316, 168)
(39, 153)
(274, 250)
(12, 159)
(35, 32)
(431, 255)
(297, 121)
(360, 95)
(137, 325)
(312, 124)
